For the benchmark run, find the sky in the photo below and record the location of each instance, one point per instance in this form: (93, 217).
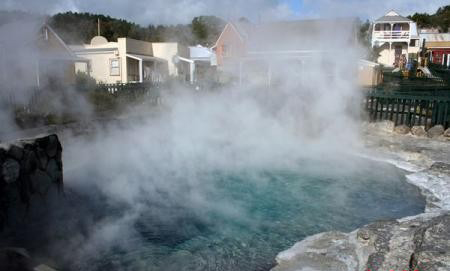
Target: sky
(182, 11)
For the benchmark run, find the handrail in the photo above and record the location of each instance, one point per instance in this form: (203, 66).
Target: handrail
(395, 34)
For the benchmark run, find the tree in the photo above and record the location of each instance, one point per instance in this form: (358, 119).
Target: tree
(440, 20)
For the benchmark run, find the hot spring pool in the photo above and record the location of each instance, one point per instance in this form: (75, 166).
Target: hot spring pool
(242, 219)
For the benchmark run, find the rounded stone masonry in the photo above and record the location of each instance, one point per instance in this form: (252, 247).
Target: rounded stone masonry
(419, 131)
(10, 170)
(402, 129)
(29, 169)
(436, 131)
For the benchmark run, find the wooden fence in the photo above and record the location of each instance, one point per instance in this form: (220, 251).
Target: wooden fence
(409, 108)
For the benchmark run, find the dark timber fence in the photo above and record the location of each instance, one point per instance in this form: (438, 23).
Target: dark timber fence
(409, 108)
(132, 91)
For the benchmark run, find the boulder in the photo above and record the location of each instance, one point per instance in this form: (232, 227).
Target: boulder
(41, 182)
(42, 158)
(52, 145)
(419, 131)
(402, 129)
(10, 170)
(447, 133)
(386, 126)
(436, 131)
(15, 152)
(15, 259)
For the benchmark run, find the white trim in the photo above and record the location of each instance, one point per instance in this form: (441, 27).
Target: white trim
(94, 50)
(144, 57)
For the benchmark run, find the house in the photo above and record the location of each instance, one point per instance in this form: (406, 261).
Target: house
(129, 60)
(395, 38)
(204, 61)
(263, 51)
(34, 56)
(436, 46)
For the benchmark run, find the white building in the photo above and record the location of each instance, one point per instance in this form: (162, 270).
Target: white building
(129, 60)
(395, 37)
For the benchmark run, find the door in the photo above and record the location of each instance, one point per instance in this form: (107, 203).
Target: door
(398, 54)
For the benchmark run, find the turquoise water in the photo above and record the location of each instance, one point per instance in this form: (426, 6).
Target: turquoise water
(245, 217)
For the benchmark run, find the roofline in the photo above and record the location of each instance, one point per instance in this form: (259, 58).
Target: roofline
(223, 31)
(393, 22)
(93, 50)
(59, 39)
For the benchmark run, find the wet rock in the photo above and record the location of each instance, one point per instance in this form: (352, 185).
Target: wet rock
(30, 162)
(42, 158)
(33, 174)
(15, 152)
(10, 170)
(330, 251)
(402, 129)
(436, 131)
(43, 267)
(15, 259)
(447, 133)
(54, 171)
(52, 146)
(441, 167)
(419, 131)
(40, 182)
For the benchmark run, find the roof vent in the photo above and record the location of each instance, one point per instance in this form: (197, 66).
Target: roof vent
(392, 13)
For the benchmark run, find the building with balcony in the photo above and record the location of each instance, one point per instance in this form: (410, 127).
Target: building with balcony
(396, 39)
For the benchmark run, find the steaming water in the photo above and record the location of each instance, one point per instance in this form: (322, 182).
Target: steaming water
(251, 215)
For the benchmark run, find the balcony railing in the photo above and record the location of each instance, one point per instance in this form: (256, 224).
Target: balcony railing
(391, 35)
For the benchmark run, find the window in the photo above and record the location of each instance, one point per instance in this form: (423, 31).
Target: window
(226, 50)
(114, 67)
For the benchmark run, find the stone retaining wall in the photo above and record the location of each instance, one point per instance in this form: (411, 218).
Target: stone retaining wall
(29, 170)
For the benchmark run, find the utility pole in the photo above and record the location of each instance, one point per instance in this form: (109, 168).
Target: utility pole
(98, 26)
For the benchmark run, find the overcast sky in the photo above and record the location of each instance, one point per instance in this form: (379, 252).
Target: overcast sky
(182, 11)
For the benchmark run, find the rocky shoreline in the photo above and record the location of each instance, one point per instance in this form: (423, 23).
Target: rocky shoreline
(420, 242)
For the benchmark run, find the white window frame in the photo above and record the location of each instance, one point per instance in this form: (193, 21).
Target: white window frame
(111, 61)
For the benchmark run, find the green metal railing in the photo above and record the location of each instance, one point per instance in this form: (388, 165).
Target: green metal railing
(409, 108)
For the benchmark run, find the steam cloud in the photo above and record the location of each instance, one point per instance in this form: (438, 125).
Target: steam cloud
(153, 165)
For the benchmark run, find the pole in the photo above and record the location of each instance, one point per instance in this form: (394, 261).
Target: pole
(98, 26)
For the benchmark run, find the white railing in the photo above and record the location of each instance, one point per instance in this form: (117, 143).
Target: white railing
(391, 35)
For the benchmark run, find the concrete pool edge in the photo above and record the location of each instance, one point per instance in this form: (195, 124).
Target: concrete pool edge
(419, 242)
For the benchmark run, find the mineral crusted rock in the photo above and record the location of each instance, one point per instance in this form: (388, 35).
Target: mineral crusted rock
(436, 131)
(447, 133)
(402, 129)
(421, 242)
(419, 131)
(386, 126)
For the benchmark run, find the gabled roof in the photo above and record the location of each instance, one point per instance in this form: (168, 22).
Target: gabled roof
(435, 37)
(393, 16)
